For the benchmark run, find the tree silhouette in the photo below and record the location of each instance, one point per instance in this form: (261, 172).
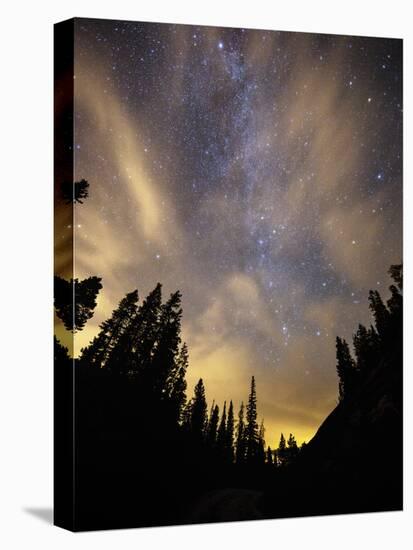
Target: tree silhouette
(240, 437)
(396, 273)
(282, 451)
(346, 369)
(292, 448)
(229, 434)
(81, 294)
(365, 343)
(199, 411)
(212, 431)
(221, 437)
(164, 361)
(105, 351)
(176, 383)
(145, 331)
(251, 428)
(75, 192)
(380, 312)
(261, 444)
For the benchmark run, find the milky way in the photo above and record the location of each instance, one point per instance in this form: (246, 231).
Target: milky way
(259, 172)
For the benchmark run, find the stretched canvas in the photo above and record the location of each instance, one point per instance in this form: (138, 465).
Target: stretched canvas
(228, 274)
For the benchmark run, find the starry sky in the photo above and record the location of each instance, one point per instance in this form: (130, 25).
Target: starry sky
(260, 173)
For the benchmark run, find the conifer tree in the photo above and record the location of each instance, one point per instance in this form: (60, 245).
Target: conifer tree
(103, 345)
(269, 458)
(115, 334)
(229, 434)
(176, 384)
(361, 347)
(145, 331)
(213, 426)
(221, 437)
(396, 273)
(292, 447)
(167, 347)
(345, 369)
(240, 437)
(199, 411)
(251, 428)
(75, 192)
(380, 312)
(282, 450)
(261, 444)
(82, 295)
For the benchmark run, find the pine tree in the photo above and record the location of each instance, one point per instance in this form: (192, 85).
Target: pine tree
(199, 411)
(261, 444)
(145, 332)
(212, 430)
(380, 312)
(82, 295)
(103, 345)
(75, 192)
(167, 347)
(115, 334)
(396, 273)
(361, 347)
(251, 428)
(346, 369)
(292, 447)
(221, 437)
(176, 384)
(269, 458)
(282, 451)
(240, 437)
(229, 435)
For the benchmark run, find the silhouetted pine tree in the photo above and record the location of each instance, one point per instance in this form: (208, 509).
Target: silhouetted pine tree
(75, 192)
(145, 331)
(395, 302)
(229, 434)
(176, 384)
(269, 457)
(212, 431)
(240, 437)
(251, 428)
(167, 347)
(292, 448)
(221, 437)
(100, 350)
(199, 411)
(186, 416)
(365, 343)
(346, 369)
(380, 312)
(81, 294)
(396, 273)
(282, 451)
(261, 444)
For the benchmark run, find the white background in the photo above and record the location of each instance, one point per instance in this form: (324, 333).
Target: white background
(26, 273)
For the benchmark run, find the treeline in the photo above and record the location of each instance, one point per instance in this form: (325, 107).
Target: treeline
(240, 441)
(142, 344)
(371, 345)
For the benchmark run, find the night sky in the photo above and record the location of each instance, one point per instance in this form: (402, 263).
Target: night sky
(259, 172)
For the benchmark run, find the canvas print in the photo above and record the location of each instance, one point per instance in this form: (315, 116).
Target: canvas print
(228, 274)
